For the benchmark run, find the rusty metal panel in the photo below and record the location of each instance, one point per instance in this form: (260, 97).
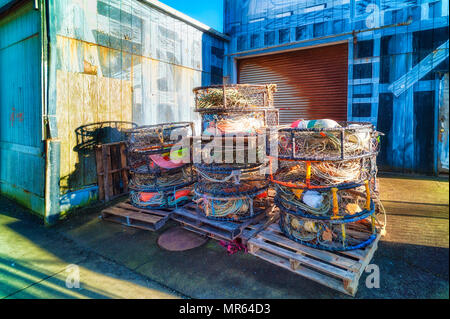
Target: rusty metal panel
(311, 83)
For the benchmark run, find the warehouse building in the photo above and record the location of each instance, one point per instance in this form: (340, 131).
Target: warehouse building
(378, 61)
(68, 63)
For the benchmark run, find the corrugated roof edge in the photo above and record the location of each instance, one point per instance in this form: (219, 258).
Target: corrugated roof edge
(10, 6)
(177, 14)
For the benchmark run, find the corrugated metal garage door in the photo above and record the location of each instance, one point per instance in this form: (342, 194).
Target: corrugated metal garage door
(312, 83)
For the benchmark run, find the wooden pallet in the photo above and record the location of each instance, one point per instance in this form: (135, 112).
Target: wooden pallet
(254, 229)
(337, 270)
(126, 214)
(191, 219)
(112, 171)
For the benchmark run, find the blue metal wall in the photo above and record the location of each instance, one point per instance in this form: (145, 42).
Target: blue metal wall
(21, 148)
(398, 53)
(3, 3)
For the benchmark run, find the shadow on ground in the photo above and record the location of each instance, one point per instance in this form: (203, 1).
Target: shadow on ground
(37, 262)
(413, 258)
(406, 271)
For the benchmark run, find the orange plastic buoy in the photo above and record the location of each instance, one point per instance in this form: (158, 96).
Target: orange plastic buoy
(145, 197)
(182, 193)
(262, 195)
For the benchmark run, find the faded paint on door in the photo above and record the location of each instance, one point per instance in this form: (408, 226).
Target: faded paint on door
(443, 133)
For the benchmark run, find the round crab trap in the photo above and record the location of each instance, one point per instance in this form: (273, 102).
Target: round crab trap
(298, 174)
(231, 182)
(236, 151)
(158, 164)
(158, 138)
(242, 122)
(219, 98)
(346, 141)
(177, 178)
(161, 199)
(332, 220)
(231, 206)
(328, 235)
(91, 135)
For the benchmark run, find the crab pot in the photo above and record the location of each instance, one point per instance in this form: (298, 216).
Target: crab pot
(152, 170)
(328, 235)
(326, 174)
(219, 98)
(158, 138)
(349, 141)
(91, 135)
(344, 220)
(143, 180)
(226, 150)
(231, 205)
(231, 179)
(238, 122)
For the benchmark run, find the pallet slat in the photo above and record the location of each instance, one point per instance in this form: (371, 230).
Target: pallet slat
(326, 256)
(337, 270)
(226, 230)
(302, 259)
(128, 215)
(315, 276)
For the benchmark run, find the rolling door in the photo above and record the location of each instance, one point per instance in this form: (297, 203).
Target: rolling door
(312, 83)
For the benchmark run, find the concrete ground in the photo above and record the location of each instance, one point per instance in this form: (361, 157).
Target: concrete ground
(119, 262)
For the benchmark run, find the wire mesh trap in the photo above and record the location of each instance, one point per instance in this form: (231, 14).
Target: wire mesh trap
(162, 199)
(227, 193)
(332, 220)
(158, 138)
(164, 180)
(91, 135)
(227, 181)
(219, 98)
(236, 151)
(327, 235)
(160, 173)
(348, 141)
(325, 174)
(326, 183)
(231, 206)
(242, 122)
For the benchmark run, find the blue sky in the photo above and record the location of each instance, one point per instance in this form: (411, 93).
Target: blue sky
(209, 12)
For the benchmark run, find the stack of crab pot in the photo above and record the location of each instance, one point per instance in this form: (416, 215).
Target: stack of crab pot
(325, 183)
(232, 183)
(160, 168)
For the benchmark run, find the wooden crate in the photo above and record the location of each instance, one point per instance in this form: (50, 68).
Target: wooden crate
(337, 270)
(112, 171)
(126, 214)
(192, 220)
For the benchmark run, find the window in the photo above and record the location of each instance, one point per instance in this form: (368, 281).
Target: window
(269, 38)
(283, 36)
